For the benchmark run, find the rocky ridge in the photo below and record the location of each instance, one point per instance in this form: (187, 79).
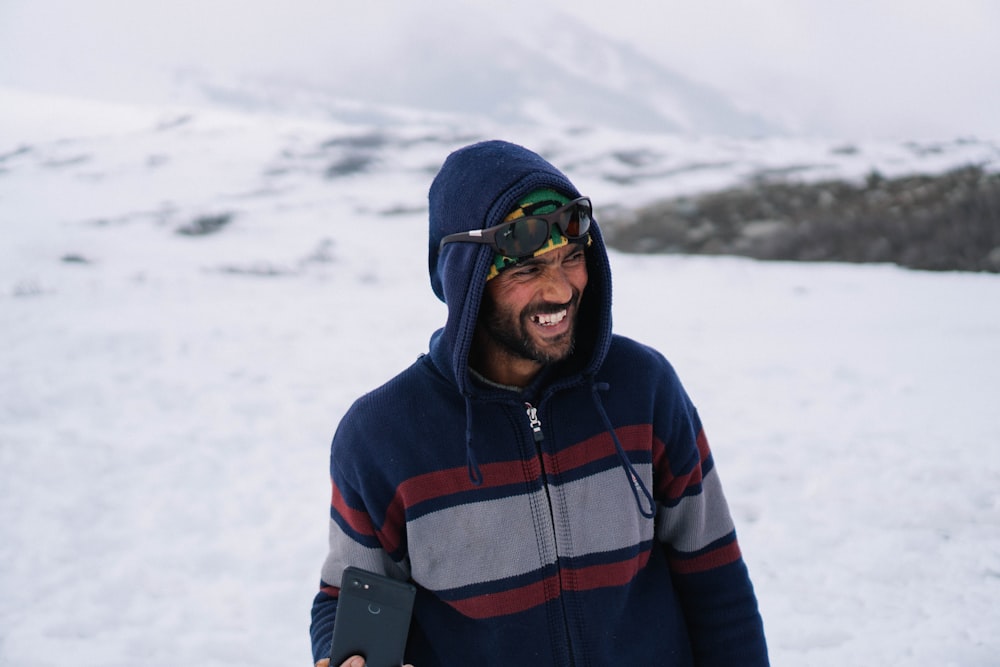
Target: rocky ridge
(948, 221)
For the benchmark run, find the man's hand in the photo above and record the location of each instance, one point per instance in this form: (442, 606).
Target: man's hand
(354, 661)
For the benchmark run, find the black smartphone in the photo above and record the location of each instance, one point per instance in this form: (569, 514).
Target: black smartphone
(373, 618)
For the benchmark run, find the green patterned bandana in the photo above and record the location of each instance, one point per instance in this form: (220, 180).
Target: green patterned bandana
(539, 202)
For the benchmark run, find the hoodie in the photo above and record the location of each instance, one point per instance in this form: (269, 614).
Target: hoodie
(577, 521)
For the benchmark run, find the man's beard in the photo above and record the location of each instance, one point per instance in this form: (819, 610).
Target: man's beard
(510, 331)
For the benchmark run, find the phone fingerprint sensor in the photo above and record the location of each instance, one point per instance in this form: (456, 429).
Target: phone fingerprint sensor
(374, 608)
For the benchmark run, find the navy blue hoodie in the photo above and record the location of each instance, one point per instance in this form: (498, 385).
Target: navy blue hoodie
(579, 521)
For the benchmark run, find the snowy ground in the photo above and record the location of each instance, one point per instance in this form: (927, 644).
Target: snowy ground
(167, 400)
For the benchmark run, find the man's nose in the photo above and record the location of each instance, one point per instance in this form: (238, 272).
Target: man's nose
(556, 285)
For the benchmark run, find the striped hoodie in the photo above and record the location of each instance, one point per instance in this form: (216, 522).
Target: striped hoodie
(577, 522)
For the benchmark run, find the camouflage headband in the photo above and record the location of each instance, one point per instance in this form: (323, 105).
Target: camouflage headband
(539, 202)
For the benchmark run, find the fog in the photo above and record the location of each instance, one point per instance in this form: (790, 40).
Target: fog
(887, 69)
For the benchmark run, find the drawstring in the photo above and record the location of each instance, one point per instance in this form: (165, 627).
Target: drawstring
(475, 475)
(635, 481)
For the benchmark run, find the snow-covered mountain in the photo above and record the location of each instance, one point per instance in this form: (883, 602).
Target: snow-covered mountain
(551, 69)
(510, 63)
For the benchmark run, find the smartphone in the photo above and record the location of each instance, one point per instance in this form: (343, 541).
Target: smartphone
(373, 618)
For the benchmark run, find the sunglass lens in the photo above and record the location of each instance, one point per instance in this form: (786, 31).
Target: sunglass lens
(522, 237)
(579, 220)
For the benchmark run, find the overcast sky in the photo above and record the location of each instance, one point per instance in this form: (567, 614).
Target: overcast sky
(867, 68)
(893, 69)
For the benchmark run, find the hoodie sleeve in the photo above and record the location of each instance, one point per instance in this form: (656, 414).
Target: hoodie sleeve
(324, 611)
(362, 533)
(696, 530)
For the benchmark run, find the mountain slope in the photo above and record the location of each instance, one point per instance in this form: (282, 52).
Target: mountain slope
(518, 63)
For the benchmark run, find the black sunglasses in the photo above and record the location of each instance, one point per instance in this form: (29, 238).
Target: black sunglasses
(522, 237)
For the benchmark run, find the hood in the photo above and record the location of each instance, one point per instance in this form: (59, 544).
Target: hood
(475, 189)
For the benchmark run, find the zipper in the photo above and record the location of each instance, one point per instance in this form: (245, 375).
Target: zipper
(536, 430)
(536, 425)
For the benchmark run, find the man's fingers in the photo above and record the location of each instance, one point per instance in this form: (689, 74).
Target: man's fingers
(353, 661)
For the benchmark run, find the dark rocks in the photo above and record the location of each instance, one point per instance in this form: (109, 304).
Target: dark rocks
(206, 224)
(949, 221)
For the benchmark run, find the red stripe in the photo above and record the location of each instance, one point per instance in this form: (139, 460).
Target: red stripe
(575, 579)
(358, 521)
(708, 561)
(456, 480)
(673, 486)
(508, 602)
(703, 448)
(604, 576)
(632, 438)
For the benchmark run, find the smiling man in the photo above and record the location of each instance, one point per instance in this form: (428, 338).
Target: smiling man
(545, 484)
(527, 318)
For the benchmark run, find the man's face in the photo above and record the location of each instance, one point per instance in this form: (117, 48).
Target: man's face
(528, 315)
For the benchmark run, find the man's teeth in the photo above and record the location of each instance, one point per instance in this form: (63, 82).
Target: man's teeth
(549, 319)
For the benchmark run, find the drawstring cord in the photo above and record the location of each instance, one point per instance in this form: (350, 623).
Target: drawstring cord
(636, 482)
(475, 474)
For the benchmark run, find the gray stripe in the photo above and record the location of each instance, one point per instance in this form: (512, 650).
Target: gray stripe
(507, 537)
(609, 513)
(344, 551)
(696, 521)
(480, 542)
(495, 539)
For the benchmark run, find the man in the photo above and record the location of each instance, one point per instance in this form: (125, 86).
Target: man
(546, 485)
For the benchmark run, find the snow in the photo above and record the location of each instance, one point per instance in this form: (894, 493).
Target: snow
(167, 400)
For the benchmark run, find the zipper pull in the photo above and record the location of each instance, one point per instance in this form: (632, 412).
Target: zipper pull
(534, 421)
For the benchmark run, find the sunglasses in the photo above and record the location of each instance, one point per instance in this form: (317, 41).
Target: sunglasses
(522, 237)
